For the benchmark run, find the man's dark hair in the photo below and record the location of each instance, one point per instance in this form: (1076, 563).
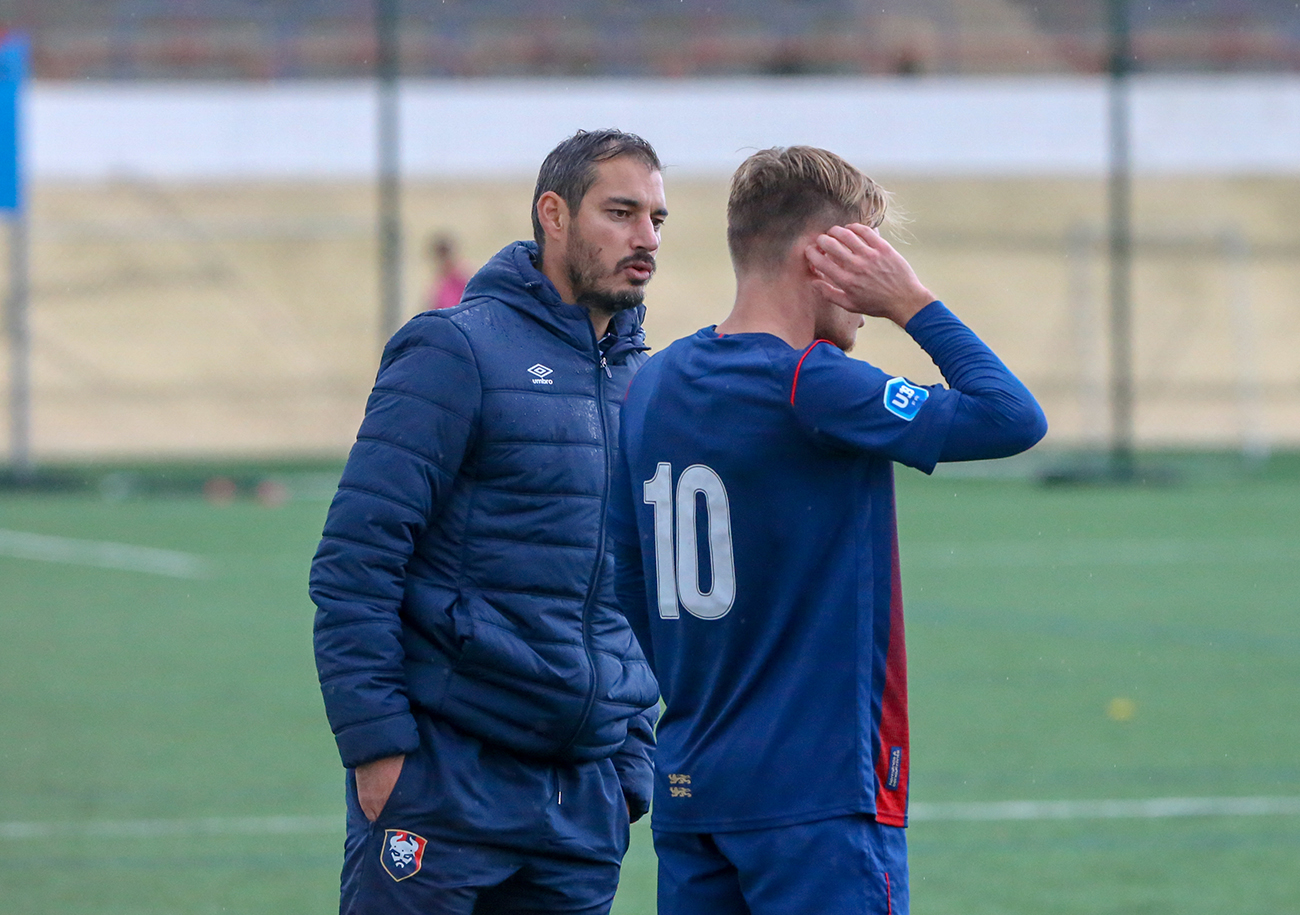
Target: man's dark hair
(570, 169)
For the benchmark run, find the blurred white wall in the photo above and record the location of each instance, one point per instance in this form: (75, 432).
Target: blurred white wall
(491, 128)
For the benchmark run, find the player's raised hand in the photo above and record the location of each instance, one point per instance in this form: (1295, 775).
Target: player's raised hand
(855, 268)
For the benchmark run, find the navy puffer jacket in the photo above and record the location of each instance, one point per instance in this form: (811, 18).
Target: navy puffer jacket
(462, 569)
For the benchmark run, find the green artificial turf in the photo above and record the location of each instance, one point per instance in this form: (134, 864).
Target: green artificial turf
(1104, 642)
(131, 697)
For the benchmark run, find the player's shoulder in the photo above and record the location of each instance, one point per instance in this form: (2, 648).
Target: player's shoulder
(820, 356)
(681, 351)
(652, 369)
(708, 353)
(825, 355)
(826, 377)
(823, 350)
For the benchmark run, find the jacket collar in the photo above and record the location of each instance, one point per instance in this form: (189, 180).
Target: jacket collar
(512, 277)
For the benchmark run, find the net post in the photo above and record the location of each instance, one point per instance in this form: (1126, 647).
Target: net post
(1120, 244)
(387, 71)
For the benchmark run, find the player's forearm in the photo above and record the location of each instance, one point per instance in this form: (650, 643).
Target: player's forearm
(967, 364)
(909, 304)
(997, 415)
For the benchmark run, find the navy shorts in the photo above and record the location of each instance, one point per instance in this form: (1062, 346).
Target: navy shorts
(473, 829)
(848, 865)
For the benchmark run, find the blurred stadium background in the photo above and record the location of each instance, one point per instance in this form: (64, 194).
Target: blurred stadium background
(203, 219)
(205, 315)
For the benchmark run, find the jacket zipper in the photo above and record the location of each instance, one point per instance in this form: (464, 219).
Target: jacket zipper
(600, 552)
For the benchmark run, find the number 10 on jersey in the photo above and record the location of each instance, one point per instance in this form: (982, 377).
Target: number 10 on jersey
(677, 571)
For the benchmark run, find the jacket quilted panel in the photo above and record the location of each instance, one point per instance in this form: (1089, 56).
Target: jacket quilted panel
(462, 569)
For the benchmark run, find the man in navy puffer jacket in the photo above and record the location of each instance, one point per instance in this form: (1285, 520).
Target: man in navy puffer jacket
(492, 707)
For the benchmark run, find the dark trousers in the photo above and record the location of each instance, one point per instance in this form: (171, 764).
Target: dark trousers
(471, 828)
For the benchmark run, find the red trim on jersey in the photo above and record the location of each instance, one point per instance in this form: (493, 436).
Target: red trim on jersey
(795, 386)
(628, 390)
(891, 803)
(889, 896)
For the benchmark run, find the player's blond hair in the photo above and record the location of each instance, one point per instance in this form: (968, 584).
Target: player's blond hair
(780, 193)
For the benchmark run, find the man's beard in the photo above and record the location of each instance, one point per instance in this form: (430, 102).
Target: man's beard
(584, 274)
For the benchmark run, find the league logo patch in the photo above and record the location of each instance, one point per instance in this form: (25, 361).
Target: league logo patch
(904, 399)
(402, 854)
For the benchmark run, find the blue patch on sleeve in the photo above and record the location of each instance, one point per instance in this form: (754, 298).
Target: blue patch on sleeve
(904, 399)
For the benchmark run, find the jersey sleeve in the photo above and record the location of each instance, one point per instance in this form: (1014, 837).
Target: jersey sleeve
(845, 403)
(985, 412)
(995, 415)
(412, 441)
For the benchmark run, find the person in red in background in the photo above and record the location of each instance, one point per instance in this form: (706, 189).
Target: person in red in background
(450, 276)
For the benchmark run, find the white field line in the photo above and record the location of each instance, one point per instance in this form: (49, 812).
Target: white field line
(1151, 808)
(1145, 809)
(101, 554)
(1117, 552)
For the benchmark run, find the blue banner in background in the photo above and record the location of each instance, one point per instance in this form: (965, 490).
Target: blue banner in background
(13, 76)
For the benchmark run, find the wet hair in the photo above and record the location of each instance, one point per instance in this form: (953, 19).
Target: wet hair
(570, 168)
(780, 193)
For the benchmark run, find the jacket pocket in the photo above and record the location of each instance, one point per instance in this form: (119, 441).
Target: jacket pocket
(526, 694)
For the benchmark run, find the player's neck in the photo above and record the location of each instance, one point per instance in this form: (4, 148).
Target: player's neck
(772, 304)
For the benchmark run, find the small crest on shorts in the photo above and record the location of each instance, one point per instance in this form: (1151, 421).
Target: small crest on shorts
(402, 854)
(904, 399)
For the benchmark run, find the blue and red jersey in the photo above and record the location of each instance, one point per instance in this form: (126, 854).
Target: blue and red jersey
(753, 523)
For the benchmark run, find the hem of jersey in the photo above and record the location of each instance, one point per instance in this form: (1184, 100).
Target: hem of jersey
(774, 822)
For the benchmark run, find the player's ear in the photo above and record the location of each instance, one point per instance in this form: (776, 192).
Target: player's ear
(553, 214)
(807, 256)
